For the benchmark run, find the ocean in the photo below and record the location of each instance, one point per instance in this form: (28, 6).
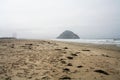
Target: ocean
(94, 41)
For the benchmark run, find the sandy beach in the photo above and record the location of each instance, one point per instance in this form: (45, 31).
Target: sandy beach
(55, 60)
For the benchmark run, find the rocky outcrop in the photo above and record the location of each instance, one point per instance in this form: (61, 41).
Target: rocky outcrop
(68, 35)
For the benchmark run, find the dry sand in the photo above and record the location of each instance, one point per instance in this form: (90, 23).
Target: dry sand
(54, 60)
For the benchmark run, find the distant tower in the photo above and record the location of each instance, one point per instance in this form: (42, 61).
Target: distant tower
(14, 35)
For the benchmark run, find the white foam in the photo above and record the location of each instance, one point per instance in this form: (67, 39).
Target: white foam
(95, 41)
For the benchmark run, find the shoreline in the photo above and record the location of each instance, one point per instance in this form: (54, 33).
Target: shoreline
(95, 45)
(93, 41)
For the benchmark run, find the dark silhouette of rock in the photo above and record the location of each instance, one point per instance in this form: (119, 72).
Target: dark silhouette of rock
(68, 35)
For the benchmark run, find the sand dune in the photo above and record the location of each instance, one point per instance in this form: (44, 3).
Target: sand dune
(54, 60)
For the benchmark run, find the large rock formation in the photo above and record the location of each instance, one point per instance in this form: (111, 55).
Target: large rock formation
(68, 35)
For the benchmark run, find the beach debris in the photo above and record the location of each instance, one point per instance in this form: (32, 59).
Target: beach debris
(69, 64)
(65, 78)
(101, 71)
(85, 50)
(63, 62)
(37, 79)
(8, 78)
(66, 70)
(29, 77)
(92, 68)
(74, 54)
(29, 44)
(79, 66)
(12, 45)
(23, 46)
(75, 71)
(49, 43)
(58, 49)
(65, 48)
(105, 55)
(64, 52)
(2, 70)
(86, 70)
(29, 47)
(77, 52)
(20, 75)
(69, 57)
(45, 78)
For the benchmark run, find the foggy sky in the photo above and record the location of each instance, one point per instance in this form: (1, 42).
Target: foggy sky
(48, 18)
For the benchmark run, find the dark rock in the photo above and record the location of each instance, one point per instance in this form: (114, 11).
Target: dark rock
(77, 52)
(45, 78)
(85, 50)
(8, 78)
(37, 79)
(69, 64)
(66, 70)
(29, 47)
(68, 35)
(49, 43)
(2, 70)
(79, 66)
(29, 44)
(12, 46)
(63, 62)
(65, 47)
(29, 77)
(58, 49)
(105, 55)
(73, 54)
(101, 71)
(65, 78)
(69, 57)
(20, 75)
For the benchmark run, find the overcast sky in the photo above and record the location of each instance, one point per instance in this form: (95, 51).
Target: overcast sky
(49, 18)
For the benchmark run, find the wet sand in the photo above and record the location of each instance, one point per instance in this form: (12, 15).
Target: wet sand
(54, 60)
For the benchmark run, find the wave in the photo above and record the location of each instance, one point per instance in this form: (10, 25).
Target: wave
(95, 41)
